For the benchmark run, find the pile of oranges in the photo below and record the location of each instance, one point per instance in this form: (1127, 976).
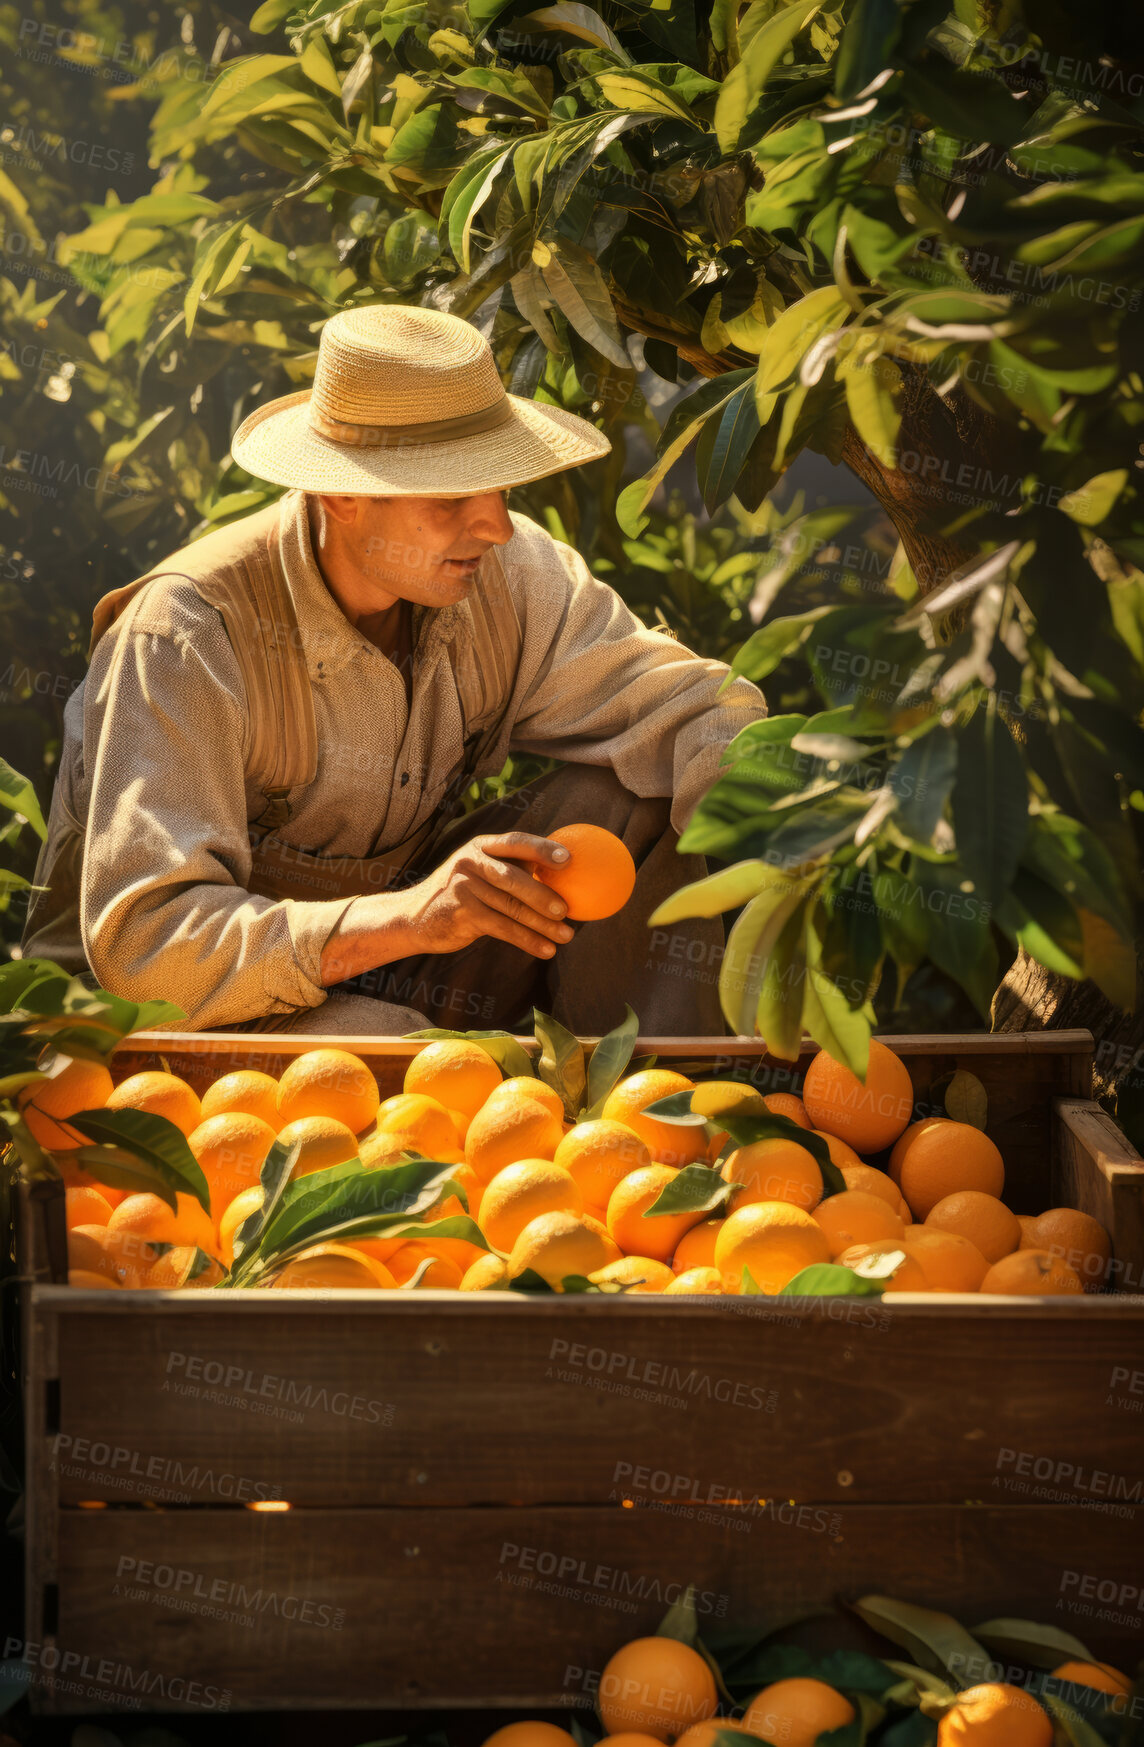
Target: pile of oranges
(657, 1690)
(555, 1198)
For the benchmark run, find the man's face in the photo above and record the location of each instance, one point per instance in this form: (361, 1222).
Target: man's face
(422, 549)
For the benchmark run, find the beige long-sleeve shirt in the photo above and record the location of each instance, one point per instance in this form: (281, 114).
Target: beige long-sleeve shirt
(163, 797)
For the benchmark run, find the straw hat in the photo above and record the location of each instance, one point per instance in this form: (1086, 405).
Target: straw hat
(408, 403)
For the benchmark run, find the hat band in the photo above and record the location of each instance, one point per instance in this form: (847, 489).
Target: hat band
(401, 436)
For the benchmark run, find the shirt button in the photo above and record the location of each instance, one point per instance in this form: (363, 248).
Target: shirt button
(404, 778)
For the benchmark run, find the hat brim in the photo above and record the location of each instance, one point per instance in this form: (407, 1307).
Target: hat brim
(277, 443)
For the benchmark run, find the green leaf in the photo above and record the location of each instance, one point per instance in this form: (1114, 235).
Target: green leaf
(1028, 1641)
(1093, 502)
(935, 1640)
(843, 1031)
(726, 890)
(744, 84)
(276, 1173)
(694, 1189)
(120, 1169)
(782, 992)
(873, 386)
(17, 793)
(577, 287)
(966, 1100)
(608, 1061)
(724, 445)
(829, 1280)
(561, 1064)
(990, 803)
(1075, 1729)
(347, 1201)
(922, 780)
(154, 1140)
(510, 1056)
(748, 947)
(685, 422)
(763, 651)
(790, 338)
(868, 43)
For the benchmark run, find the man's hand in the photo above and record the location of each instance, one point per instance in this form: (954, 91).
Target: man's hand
(482, 889)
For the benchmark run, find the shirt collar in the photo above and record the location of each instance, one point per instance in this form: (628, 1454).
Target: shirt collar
(329, 640)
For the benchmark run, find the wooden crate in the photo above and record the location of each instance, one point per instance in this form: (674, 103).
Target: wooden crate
(488, 1494)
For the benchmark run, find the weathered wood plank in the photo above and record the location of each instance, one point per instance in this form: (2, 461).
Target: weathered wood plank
(345, 1609)
(1099, 1171)
(377, 1400)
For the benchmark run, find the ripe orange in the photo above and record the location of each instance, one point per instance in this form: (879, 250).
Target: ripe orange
(82, 1277)
(949, 1261)
(86, 1207)
(330, 1266)
(656, 1686)
(490, 1274)
(637, 1273)
(161, 1095)
(521, 1192)
(983, 1219)
(797, 1711)
(715, 1098)
(599, 1155)
(597, 879)
(71, 1085)
(856, 1217)
(451, 1207)
(558, 1244)
(530, 1734)
(867, 1117)
(428, 1122)
(696, 1248)
(909, 1276)
(150, 1219)
(631, 1226)
(773, 1170)
(1077, 1239)
(442, 1275)
(787, 1104)
(121, 1257)
(325, 1142)
(528, 1086)
(171, 1272)
(904, 1141)
(329, 1082)
(457, 1074)
(1027, 1221)
(1099, 1676)
(246, 1202)
(385, 1147)
(1033, 1271)
(693, 1280)
(995, 1716)
(509, 1129)
(668, 1144)
(875, 1182)
(945, 1157)
(774, 1240)
(231, 1149)
(246, 1092)
(703, 1734)
(74, 1178)
(840, 1154)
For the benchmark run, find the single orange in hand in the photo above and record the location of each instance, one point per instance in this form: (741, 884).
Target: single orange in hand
(599, 876)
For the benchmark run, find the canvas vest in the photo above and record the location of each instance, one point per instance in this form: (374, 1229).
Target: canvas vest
(238, 570)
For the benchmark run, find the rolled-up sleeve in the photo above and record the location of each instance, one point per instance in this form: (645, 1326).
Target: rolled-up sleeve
(164, 911)
(608, 691)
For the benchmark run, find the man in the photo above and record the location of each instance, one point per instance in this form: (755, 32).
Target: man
(258, 812)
